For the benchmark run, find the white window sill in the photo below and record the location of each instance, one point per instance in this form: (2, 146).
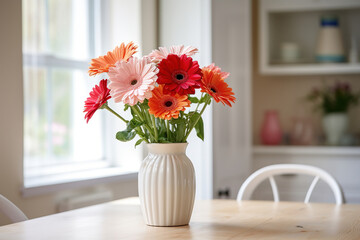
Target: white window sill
(52, 183)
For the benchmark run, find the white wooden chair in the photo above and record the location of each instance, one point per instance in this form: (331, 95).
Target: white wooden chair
(269, 172)
(11, 211)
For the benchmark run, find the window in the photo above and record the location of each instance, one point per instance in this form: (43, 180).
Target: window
(59, 39)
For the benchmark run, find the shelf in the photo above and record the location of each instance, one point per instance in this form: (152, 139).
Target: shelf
(307, 150)
(309, 69)
(284, 22)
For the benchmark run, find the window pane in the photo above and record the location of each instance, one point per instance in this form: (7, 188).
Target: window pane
(55, 129)
(57, 27)
(60, 113)
(56, 32)
(68, 29)
(88, 138)
(35, 119)
(34, 26)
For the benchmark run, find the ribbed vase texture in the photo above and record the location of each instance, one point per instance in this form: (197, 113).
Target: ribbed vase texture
(167, 185)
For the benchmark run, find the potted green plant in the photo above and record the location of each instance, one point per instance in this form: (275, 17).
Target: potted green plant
(334, 103)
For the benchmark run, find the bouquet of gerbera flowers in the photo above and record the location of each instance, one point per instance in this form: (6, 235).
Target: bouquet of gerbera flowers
(158, 89)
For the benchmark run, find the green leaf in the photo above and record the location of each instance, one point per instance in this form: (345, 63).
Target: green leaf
(199, 127)
(202, 100)
(194, 116)
(138, 142)
(160, 124)
(145, 104)
(193, 99)
(205, 99)
(133, 124)
(126, 107)
(125, 136)
(174, 121)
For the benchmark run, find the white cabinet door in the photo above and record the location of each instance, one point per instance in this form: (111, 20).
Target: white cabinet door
(231, 26)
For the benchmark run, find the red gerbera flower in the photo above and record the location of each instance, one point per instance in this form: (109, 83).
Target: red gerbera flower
(213, 84)
(179, 74)
(98, 96)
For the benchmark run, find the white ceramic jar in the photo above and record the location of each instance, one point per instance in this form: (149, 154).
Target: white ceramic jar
(167, 185)
(329, 44)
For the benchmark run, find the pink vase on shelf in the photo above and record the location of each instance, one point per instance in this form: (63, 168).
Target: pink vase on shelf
(271, 133)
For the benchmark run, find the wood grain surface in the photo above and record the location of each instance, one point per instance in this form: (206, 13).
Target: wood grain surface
(211, 219)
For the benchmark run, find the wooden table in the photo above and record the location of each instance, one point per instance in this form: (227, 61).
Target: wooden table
(212, 219)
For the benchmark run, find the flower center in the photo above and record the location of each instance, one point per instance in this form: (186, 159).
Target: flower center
(133, 82)
(213, 90)
(179, 76)
(168, 103)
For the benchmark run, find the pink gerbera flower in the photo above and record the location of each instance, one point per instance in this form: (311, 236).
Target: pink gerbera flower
(216, 69)
(157, 55)
(98, 96)
(179, 74)
(132, 82)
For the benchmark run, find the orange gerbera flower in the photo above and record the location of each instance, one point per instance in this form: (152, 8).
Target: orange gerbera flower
(213, 84)
(103, 63)
(167, 106)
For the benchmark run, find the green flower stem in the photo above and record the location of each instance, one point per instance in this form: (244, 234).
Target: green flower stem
(106, 106)
(163, 123)
(138, 129)
(207, 101)
(155, 129)
(197, 107)
(145, 114)
(148, 117)
(168, 129)
(146, 133)
(181, 114)
(136, 110)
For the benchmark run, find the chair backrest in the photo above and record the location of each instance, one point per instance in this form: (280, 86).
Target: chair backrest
(269, 172)
(11, 211)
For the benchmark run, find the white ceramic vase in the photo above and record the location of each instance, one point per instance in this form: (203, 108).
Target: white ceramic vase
(167, 185)
(335, 126)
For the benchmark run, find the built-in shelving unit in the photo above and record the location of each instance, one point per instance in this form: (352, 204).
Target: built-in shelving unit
(297, 22)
